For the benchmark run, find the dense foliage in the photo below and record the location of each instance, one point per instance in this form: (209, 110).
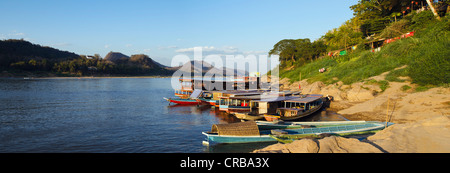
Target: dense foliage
(425, 55)
(12, 51)
(22, 56)
(298, 51)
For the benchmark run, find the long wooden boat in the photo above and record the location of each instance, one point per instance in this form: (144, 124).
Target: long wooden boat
(207, 101)
(247, 132)
(247, 102)
(238, 102)
(264, 107)
(248, 116)
(269, 125)
(192, 100)
(188, 85)
(297, 108)
(181, 101)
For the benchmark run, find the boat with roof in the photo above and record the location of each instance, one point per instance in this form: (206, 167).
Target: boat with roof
(191, 100)
(250, 131)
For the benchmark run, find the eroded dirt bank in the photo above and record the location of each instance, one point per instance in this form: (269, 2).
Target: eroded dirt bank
(422, 118)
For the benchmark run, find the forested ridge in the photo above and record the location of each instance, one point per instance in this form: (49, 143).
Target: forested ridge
(22, 58)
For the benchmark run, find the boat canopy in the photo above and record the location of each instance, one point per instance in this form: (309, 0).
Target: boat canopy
(304, 100)
(248, 128)
(196, 94)
(276, 99)
(315, 95)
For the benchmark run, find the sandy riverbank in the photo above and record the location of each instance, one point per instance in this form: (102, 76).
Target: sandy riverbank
(422, 118)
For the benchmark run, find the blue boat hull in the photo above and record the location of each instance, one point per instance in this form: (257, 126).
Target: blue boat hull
(264, 137)
(238, 139)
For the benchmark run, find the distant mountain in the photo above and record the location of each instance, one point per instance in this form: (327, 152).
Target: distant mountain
(19, 57)
(204, 67)
(12, 51)
(115, 56)
(143, 60)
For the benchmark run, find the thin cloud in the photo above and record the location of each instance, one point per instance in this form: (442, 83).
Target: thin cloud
(15, 33)
(167, 47)
(226, 50)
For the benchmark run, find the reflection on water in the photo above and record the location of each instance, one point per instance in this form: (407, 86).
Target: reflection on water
(108, 115)
(222, 117)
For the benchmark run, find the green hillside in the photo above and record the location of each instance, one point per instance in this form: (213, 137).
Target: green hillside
(426, 55)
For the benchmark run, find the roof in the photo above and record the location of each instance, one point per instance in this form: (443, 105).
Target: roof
(275, 99)
(315, 95)
(196, 93)
(292, 109)
(304, 100)
(234, 93)
(244, 97)
(248, 128)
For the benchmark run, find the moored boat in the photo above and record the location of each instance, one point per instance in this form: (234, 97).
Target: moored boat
(236, 102)
(192, 100)
(297, 108)
(269, 125)
(266, 107)
(248, 116)
(246, 132)
(181, 101)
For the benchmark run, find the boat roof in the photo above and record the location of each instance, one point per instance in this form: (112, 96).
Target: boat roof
(315, 95)
(292, 109)
(248, 128)
(304, 100)
(276, 99)
(245, 97)
(196, 93)
(234, 93)
(282, 93)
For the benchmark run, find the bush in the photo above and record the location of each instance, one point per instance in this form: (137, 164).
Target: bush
(420, 20)
(393, 75)
(383, 85)
(405, 87)
(396, 29)
(430, 61)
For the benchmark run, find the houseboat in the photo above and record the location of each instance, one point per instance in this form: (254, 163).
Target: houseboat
(265, 106)
(238, 101)
(297, 108)
(187, 85)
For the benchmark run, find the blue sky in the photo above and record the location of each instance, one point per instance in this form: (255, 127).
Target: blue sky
(165, 28)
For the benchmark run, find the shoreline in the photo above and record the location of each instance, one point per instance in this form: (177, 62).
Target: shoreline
(86, 77)
(421, 118)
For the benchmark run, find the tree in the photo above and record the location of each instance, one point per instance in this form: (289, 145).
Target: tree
(285, 49)
(374, 15)
(298, 50)
(346, 35)
(430, 4)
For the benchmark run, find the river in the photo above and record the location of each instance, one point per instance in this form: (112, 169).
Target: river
(107, 115)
